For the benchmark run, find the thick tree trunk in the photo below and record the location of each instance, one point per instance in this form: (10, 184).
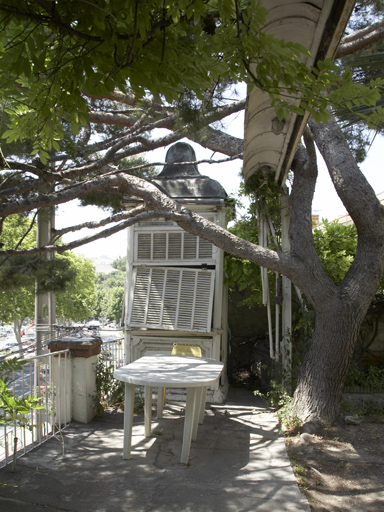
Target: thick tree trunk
(322, 375)
(340, 310)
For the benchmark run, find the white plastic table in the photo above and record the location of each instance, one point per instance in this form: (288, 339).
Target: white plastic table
(159, 370)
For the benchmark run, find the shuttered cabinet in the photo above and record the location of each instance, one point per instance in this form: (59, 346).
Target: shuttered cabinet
(174, 294)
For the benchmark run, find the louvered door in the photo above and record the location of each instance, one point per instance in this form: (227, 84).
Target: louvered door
(172, 298)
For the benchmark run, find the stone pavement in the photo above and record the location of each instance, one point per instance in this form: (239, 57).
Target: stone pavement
(237, 464)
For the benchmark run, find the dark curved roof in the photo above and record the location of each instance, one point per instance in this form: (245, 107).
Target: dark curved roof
(179, 152)
(200, 187)
(185, 181)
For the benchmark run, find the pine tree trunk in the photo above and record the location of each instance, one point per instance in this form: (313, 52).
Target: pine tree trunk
(340, 310)
(322, 375)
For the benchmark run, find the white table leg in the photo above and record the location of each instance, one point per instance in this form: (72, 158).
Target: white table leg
(160, 402)
(128, 419)
(190, 409)
(147, 410)
(202, 405)
(196, 415)
(201, 395)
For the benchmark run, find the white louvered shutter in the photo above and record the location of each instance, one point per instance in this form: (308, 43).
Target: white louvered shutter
(172, 298)
(172, 246)
(144, 246)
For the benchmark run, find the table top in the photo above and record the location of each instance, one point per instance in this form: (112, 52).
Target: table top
(173, 371)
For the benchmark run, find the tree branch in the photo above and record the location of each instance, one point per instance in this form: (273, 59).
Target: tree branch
(207, 137)
(218, 141)
(123, 225)
(363, 206)
(91, 238)
(360, 39)
(168, 120)
(97, 224)
(127, 99)
(176, 164)
(27, 186)
(22, 166)
(346, 175)
(160, 205)
(304, 167)
(111, 118)
(238, 247)
(45, 20)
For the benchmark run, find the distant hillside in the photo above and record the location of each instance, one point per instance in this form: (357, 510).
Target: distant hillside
(103, 264)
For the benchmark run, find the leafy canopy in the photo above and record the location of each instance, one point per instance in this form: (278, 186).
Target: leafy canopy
(17, 299)
(110, 292)
(53, 55)
(70, 275)
(22, 271)
(78, 300)
(335, 244)
(120, 263)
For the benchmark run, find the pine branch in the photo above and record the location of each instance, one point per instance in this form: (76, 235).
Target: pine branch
(208, 137)
(97, 224)
(360, 39)
(97, 236)
(127, 99)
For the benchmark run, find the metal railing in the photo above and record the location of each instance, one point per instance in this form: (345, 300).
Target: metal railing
(112, 352)
(110, 358)
(49, 377)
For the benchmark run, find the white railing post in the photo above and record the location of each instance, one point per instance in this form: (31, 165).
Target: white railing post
(84, 354)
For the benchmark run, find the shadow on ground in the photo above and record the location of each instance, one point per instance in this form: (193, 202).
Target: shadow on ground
(237, 464)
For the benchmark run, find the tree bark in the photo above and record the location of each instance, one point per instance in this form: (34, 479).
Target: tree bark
(322, 375)
(360, 39)
(340, 310)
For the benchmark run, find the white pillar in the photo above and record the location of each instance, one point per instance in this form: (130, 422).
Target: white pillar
(45, 306)
(84, 360)
(286, 311)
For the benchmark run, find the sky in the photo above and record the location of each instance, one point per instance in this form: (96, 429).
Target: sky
(326, 202)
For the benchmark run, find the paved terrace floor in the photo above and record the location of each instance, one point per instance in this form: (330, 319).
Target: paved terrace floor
(237, 464)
